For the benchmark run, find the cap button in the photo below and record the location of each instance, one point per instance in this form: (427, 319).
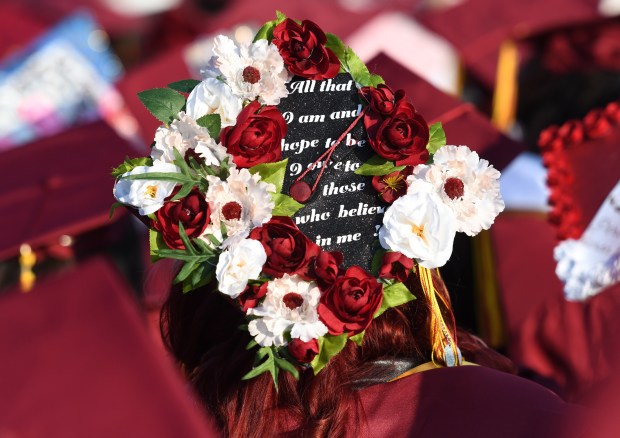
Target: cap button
(300, 191)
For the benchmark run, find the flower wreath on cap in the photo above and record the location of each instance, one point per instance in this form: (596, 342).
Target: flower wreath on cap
(211, 192)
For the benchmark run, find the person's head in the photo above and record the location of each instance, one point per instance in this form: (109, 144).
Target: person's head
(203, 331)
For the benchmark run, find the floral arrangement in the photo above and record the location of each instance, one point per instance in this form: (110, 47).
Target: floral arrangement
(212, 194)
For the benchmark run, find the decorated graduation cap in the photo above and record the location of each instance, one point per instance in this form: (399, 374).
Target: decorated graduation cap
(43, 202)
(76, 353)
(303, 187)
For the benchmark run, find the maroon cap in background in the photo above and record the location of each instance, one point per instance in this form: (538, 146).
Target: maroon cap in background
(477, 28)
(77, 362)
(59, 185)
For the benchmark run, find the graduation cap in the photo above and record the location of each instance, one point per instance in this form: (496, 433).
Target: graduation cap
(477, 28)
(583, 161)
(487, 36)
(17, 28)
(58, 186)
(322, 149)
(77, 361)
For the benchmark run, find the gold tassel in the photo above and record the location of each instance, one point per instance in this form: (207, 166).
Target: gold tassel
(489, 312)
(505, 95)
(27, 260)
(441, 339)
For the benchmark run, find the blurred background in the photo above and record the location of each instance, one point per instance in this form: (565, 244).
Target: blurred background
(532, 86)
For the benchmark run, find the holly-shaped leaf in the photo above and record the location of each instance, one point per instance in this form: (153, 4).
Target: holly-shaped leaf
(163, 103)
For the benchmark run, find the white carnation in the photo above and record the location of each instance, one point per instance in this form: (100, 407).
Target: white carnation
(252, 70)
(290, 304)
(213, 96)
(239, 264)
(185, 134)
(241, 203)
(467, 184)
(146, 195)
(420, 226)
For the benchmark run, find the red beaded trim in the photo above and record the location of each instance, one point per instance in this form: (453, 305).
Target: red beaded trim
(554, 143)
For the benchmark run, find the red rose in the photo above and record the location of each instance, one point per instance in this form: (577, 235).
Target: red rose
(350, 303)
(401, 138)
(393, 185)
(288, 250)
(257, 136)
(250, 297)
(326, 267)
(303, 49)
(382, 100)
(302, 351)
(192, 211)
(395, 265)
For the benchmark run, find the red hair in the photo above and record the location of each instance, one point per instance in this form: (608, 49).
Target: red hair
(201, 329)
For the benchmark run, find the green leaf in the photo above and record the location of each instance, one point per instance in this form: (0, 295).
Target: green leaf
(271, 173)
(377, 259)
(163, 103)
(204, 247)
(130, 163)
(114, 207)
(162, 176)
(375, 80)
(394, 295)
(280, 17)
(156, 243)
(284, 205)
(180, 162)
(358, 338)
(186, 270)
(206, 277)
(336, 45)
(183, 192)
(185, 239)
(357, 68)
(265, 32)
(437, 138)
(213, 123)
(269, 365)
(377, 165)
(287, 366)
(184, 86)
(180, 255)
(329, 346)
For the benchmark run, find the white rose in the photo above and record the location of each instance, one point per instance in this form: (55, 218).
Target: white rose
(239, 264)
(146, 195)
(213, 96)
(420, 226)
